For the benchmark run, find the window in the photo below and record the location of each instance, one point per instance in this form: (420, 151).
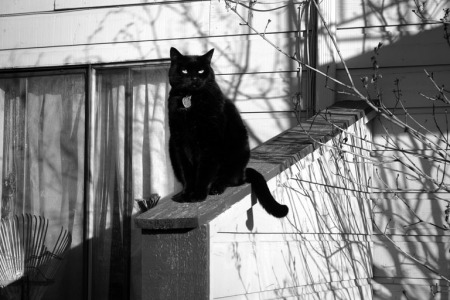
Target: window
(80, 161)
(129, 160)
(42, 119)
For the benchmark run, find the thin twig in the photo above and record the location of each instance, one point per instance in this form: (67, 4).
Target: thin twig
(410, 256)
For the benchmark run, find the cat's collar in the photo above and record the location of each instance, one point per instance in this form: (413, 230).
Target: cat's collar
(186, 101)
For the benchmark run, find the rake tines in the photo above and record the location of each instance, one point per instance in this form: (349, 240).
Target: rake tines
(11, 252)
(24, 255)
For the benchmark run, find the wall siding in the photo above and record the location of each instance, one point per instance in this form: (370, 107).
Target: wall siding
(76, 32)
(409, 47)
(321, 250)
(361, 14)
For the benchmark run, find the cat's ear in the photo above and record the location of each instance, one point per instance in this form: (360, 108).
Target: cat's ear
(208, 55)
(175, 54)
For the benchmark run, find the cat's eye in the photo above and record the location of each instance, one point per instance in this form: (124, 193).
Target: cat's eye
(201, 71)
(184, 71)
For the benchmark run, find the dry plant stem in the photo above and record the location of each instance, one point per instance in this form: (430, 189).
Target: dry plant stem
(443, 97)
(417, 171)
(384, 147)
(409, 117)
(411, 165)
(369, 160)
(421, 9)
(322, 144)
(396, 196)
(346, 174)
(414, 132)
(263, 36)
(381, 109)
(408, 164)
(325, 25)
(444, 136)
(364, 157)
(423, 264)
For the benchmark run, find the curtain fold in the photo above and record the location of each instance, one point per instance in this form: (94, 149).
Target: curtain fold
(116, 252)
(43, 120)
(42, 163)
(107, 169)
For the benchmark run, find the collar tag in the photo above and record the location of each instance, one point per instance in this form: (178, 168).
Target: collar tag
(186, 101)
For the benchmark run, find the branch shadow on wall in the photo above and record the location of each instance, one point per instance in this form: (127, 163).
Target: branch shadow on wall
(322, 249)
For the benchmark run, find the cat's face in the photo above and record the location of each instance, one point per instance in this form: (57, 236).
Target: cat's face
(190, 72)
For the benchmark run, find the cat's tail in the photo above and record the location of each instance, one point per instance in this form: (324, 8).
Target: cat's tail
(259, 186)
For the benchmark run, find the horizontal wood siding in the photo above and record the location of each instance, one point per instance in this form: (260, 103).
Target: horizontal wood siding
(322, 250)
(73, 4)
(414, 217)
(361, 14)
(26, 6)
(73, 32)
(409, 47)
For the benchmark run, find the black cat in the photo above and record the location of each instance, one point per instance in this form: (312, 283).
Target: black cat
(208, 142)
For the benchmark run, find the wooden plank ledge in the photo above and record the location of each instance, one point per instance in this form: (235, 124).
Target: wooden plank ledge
(270, 158)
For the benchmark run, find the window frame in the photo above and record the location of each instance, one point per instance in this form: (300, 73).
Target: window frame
(89, 71)
(52, 71)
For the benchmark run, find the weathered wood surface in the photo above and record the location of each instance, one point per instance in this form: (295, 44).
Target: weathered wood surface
(270, 159)
(181, 257)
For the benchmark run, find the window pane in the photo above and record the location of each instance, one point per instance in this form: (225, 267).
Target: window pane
(129, 135)
(152, 169)
(42, 161)
(109, 258)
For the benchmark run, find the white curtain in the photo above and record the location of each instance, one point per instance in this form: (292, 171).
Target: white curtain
(151, 162)
(42, 159)
(42, 120)
(116, 243)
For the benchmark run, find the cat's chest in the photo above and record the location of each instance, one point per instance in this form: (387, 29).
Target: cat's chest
(187, 104)
(193, 111)
(183, 103)
(197, 122)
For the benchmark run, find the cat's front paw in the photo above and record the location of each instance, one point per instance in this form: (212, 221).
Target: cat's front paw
(198, 196)
(181, 197)
(217, 189)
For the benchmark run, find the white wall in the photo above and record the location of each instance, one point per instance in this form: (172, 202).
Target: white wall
(73, 32)
(409, 47)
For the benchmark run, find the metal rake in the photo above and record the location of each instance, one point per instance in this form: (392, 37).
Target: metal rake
(27, 266)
